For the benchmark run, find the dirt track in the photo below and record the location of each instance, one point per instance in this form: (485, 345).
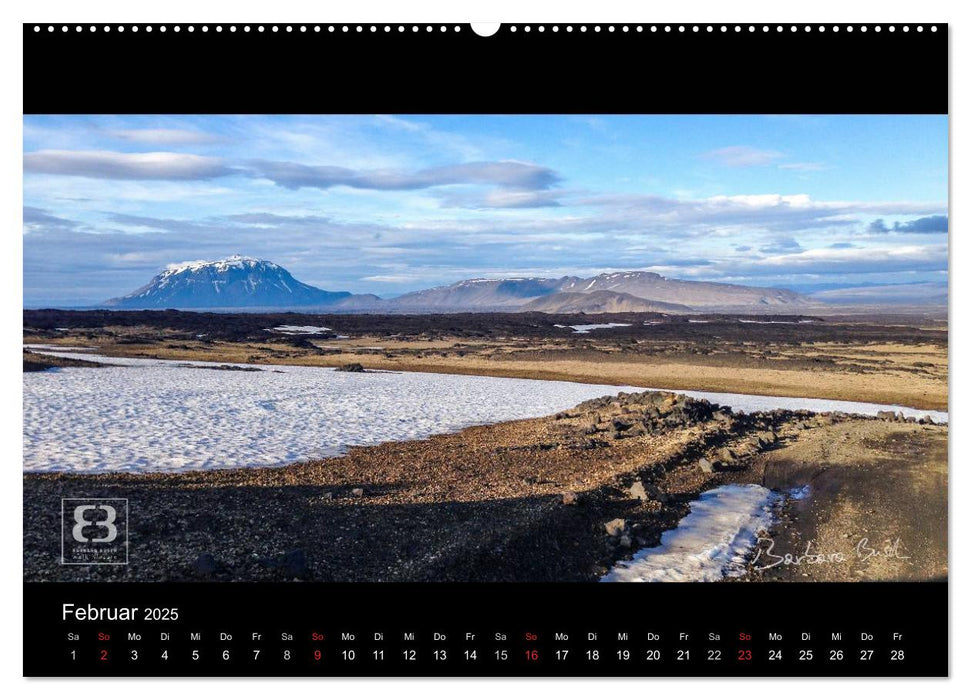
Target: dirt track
(876, 510)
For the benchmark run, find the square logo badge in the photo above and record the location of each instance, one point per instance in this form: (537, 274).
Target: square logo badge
(94, 531)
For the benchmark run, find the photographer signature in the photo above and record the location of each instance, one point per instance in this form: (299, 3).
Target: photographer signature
(767, 558)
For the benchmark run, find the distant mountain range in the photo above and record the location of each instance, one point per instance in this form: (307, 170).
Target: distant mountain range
(240, 282)
(913, 293)
(617, 289)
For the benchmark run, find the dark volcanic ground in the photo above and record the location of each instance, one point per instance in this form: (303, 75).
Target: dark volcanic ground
(725, 327)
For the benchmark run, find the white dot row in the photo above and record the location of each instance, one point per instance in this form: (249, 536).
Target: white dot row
(331, 28)
(246, 28)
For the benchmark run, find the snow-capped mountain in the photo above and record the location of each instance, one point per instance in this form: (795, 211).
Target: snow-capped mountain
(647, 288)
(233, 282)
(652, 286)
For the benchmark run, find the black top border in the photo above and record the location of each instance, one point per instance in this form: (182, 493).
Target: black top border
(534, 68)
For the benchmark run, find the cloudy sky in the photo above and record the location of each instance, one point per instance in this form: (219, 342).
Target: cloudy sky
(389, 204)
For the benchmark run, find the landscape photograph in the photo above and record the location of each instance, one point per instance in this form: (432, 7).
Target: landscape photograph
(485, 348)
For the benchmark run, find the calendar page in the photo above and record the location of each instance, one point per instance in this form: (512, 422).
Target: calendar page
(426, 350)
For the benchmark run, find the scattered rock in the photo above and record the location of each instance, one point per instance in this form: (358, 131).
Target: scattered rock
(351, 367)
(706, 466)
(767, 437)
(294, 564)
(569, 498)
(625, 541)
(658, 398)
(205, 565)
(616, 527)
(637, 491)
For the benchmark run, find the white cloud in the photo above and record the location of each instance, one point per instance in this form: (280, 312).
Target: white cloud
(164, 137)
(839, 261)
(440, 140)
(393, 279)
(112, 165)
(510, 174)
(802, 167)
(392, 121)
(872, 254)
(762, 201)
(739, 213)
(741, 156)
(504, 199)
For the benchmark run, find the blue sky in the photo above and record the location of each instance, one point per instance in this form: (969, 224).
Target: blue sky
(389, 204)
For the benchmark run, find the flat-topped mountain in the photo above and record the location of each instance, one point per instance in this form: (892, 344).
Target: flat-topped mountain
(233, 282)
(652, 286)
(647, 288)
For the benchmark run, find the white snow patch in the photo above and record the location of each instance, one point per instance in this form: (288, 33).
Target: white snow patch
(769, 323)
(799, 493)
(587, 327)
(237, 262)
(159, 415)
(154, 415)
(747, 403)
(712, 542)
(299, 330)
(53, 349)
